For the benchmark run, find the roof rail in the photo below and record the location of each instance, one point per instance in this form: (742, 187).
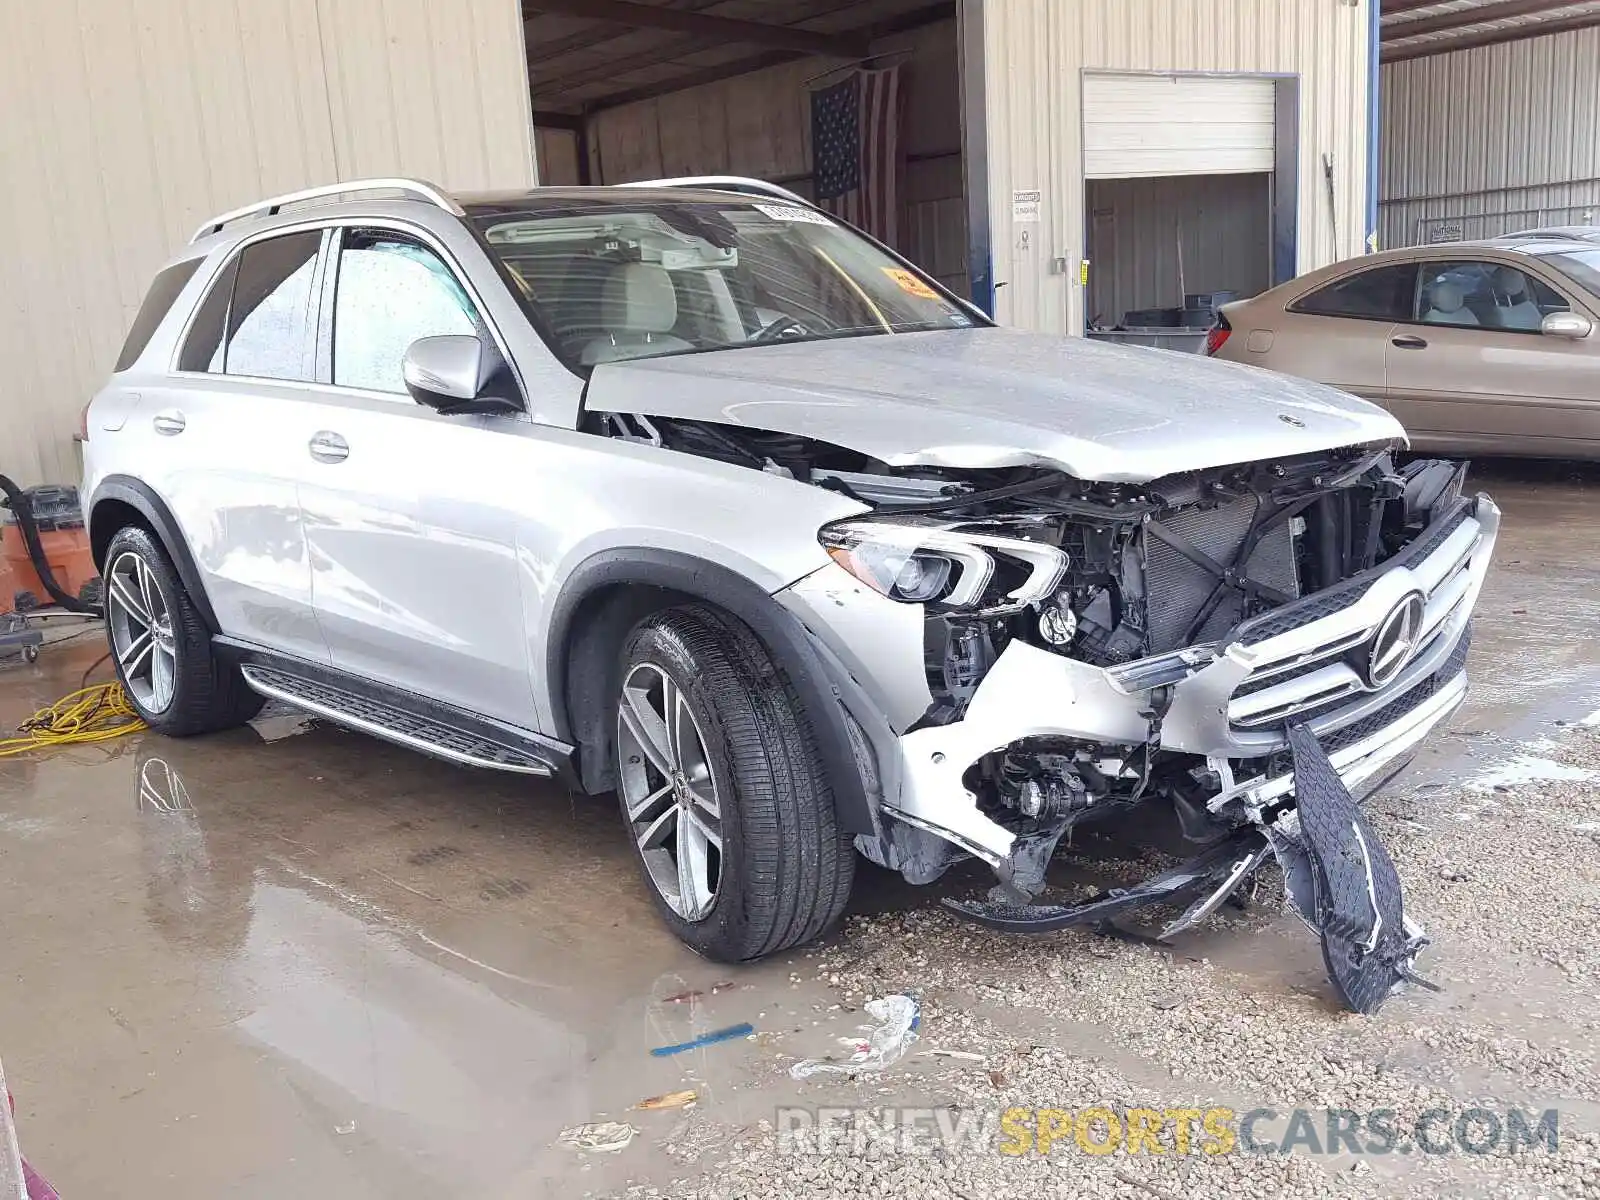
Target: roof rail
(417, 189)
(726, 183)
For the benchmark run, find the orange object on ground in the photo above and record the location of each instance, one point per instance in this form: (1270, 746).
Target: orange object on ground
(66, 547)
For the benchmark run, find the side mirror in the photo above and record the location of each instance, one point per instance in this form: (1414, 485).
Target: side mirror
(1566, 325)
(448, 373)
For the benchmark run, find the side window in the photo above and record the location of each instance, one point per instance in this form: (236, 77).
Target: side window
(158, 300)
(1484, 295)
(1381, 294)
(391, 291)
(269, 318)
(202, 350)
(255, 319)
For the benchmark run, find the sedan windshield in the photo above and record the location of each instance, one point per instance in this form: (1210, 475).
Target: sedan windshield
(624, 277)
(1581, 265)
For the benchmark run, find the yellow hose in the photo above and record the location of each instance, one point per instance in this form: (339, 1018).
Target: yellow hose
(91, 714)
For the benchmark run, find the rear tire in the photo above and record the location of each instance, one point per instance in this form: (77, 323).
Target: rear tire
(769, 867)
(161, 648)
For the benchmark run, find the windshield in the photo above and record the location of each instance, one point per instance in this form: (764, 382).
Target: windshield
(620, 277)
(1580, 265)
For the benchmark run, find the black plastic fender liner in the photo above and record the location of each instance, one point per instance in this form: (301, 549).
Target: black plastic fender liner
(1356, 901)
(785, 638)
(1211, 866)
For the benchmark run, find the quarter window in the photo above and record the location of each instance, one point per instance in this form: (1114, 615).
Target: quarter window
(1484, 295)
(391, 291)
(1381, 294)
(256, 319)
(163, 291)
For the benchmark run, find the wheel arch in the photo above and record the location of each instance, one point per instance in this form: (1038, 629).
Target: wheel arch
(121, 500)
(611, 591)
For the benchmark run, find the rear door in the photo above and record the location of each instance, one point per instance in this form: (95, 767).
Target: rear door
(223, 442)
(410, 515)
(1470, 372)
(1336, 334)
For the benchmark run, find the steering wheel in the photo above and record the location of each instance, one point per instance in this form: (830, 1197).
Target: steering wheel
(780, 328)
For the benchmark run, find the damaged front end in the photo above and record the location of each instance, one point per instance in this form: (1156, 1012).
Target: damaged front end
(1256, 648)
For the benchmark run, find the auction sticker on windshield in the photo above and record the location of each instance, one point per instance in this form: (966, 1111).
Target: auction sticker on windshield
(793, 212)
(908, 282)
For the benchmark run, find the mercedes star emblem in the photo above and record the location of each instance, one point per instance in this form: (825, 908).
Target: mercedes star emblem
(1386, 653)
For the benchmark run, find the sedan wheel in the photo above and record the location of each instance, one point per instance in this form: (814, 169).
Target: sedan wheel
(669, 791)
(140, 620)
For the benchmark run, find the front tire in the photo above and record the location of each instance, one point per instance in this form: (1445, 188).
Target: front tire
(161, 648)
(723, 790)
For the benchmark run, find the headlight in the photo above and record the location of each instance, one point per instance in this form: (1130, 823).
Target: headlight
(953, 568)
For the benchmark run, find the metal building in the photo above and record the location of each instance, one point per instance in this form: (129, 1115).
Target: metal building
(1066, 162)
(1491, 118)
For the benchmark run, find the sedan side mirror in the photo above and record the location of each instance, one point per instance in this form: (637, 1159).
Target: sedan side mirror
(450, 373)
(1566, 325)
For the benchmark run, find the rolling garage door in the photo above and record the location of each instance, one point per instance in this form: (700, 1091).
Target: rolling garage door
(1144, 125)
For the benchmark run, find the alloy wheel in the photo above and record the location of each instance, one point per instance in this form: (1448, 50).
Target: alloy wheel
(669, 791)
(141, 632)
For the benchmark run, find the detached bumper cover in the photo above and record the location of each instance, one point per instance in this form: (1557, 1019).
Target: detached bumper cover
(1348, 889)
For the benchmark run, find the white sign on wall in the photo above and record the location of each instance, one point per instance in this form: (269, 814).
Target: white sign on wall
(1025, 205)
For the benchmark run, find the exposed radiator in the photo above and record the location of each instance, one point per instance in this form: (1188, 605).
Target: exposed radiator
(1177, 588)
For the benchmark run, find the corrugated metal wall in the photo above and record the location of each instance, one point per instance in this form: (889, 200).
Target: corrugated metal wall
(1036, 52)
(1137, 225)
(128, 122)
(1484, 141)
(760, 125)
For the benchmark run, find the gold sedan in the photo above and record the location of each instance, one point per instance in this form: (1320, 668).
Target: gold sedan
(1477, 347)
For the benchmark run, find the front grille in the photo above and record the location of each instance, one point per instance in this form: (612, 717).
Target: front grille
(1179, 587)
(1313, 675)
(1410, 702)
(1341, 595)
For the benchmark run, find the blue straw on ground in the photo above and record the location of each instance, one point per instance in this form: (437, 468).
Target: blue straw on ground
(708, 1039)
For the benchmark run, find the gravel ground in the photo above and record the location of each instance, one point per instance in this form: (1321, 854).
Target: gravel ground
(1503, 869)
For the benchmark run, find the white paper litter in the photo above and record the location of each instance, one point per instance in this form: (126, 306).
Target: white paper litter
(885, 1043)
(598, 1137)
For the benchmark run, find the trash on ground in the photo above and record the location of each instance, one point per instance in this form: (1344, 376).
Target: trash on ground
(964, 1055)
(669, 1100)
(886, 1042)
(708, 1039)
(683, 997)
(279, 721)
(598, 1137)
(344, 1129)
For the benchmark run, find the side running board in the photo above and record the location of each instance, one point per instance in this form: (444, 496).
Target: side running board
(392, 722)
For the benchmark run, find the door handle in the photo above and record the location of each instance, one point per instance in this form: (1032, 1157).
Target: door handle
(169, 421)
(327, 446)
(1409, 341)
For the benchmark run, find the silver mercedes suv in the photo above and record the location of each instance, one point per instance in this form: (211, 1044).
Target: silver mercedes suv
(692, 493)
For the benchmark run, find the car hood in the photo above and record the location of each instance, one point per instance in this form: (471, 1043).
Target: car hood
(991, 397)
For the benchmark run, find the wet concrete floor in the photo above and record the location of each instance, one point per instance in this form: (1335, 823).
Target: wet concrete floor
(327, 966)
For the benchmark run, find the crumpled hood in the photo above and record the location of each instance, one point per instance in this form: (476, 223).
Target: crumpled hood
(990, 397)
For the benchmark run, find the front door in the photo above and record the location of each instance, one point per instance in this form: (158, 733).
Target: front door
(415, 577)
(1472, 374)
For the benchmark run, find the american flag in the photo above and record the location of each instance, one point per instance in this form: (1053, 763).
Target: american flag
(855, 150)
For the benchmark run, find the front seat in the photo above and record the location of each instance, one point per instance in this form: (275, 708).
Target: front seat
(1447, 305)
(639, 308)
(1514, 307)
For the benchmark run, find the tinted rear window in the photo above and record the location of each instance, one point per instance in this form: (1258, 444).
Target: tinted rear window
(1382, 294)
(157, 301)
